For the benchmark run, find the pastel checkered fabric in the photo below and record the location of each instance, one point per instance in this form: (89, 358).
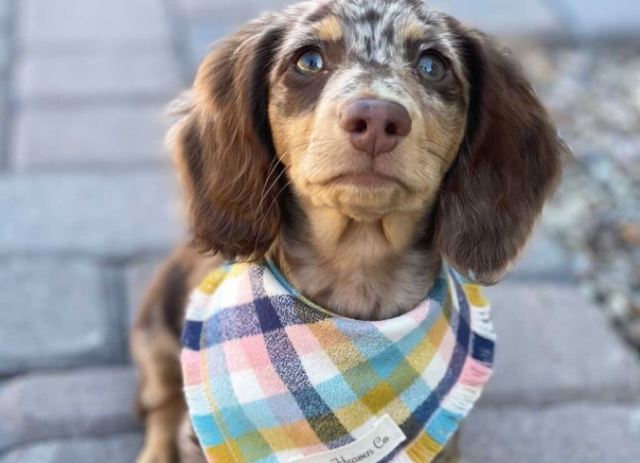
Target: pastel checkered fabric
(271, 377)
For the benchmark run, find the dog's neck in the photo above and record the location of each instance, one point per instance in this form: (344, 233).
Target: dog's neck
(370, 271)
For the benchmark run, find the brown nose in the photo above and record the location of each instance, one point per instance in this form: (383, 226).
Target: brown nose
(375, 126)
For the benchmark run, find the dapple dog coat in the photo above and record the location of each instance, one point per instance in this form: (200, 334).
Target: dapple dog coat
(271, 377)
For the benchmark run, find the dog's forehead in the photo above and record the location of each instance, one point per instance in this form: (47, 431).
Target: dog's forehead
(373, 31)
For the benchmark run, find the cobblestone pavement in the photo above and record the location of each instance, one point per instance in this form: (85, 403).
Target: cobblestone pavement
(89, 206)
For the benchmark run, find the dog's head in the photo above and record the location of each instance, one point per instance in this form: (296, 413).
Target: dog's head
(366, 111)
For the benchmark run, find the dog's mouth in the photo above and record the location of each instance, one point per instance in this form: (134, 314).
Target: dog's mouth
(369, 179)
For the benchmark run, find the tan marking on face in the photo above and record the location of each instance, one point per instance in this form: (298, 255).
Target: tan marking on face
(329, 29)
(291, 135)
(413, 30)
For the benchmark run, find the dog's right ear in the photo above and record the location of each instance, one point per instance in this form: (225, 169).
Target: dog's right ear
(508, 164)
(223, 146)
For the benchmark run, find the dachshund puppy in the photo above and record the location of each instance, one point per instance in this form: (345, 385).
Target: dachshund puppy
(358, 144)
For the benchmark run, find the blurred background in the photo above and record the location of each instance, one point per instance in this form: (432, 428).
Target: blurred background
(89, 205)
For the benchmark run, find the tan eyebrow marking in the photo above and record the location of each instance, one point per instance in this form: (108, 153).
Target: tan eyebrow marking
(329, 29)
(413, 31)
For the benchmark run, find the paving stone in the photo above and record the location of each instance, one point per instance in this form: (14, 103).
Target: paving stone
(4, 12)
(232, 10)
(544, 258)
(113, 72)
(109, 215)
(615, 18)
(91, 402)
(553, 346)
(93, 136)
(533, 18)
(45, 23)
(585, 433)
(115, 449)
(55, 314)
(4, 119)
(4, 53)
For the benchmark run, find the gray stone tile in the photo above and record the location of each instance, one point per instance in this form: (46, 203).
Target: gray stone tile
(4, 53)
(113, 216)
(4, 12)
(95, 402)
(554, 346)
(147, 72)
(498, 17)
(585, 433)
(138, 278)
(54, 314)
(232, 10)
(127, 134)
(613, 18)
(115, 449)
(50, 22)
(4, 119)
(544, 258)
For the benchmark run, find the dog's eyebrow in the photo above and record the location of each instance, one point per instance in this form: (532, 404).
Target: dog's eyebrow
(328, 29)
(413, 30)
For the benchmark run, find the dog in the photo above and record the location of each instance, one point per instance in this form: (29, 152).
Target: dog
(358, 144)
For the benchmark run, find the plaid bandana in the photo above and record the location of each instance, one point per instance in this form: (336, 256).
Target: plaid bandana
(271, 377)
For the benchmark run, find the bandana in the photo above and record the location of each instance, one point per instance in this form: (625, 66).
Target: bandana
(271, 377)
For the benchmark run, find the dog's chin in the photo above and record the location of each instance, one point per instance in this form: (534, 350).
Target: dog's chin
(361, 198)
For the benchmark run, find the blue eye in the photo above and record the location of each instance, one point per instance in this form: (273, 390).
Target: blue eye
(310, 62)
(432, 67)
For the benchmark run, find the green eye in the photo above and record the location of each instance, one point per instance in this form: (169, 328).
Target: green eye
(310, 62)
(432, 67)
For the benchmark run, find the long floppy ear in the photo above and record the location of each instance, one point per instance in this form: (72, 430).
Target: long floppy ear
(508, 164)
(223, 146)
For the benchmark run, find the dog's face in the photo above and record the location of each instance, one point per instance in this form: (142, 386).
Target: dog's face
(368, 104)
(366, 112)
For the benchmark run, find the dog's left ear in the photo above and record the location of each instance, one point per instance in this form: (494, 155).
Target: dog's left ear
(509, 163)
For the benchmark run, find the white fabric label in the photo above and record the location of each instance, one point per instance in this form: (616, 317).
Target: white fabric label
(376, 444)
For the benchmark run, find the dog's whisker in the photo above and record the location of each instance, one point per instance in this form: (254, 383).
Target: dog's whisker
(266, 213)
(262, 198)
(272, 166)
(277, 196)
(275, 182)
(433, 143)
(439, 152)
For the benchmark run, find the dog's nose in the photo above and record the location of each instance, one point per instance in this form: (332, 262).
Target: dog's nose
(375, 126)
